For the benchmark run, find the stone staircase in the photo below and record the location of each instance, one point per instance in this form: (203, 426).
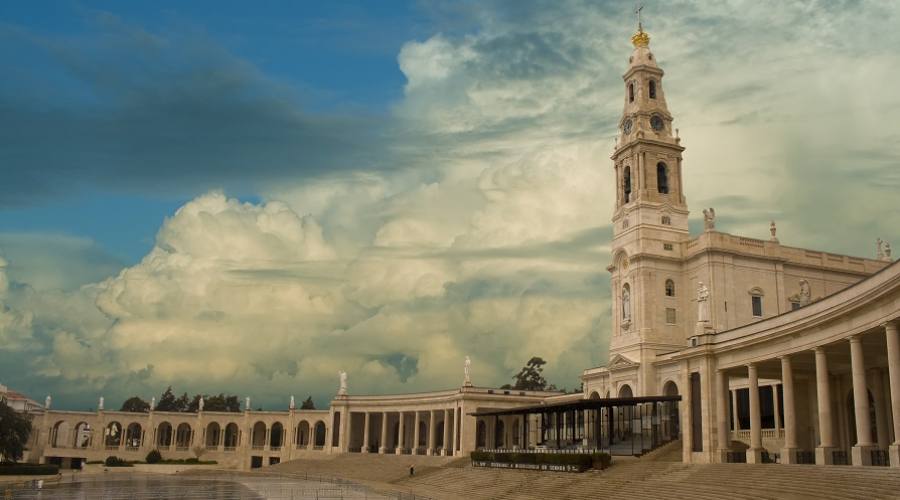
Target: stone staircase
(658, 475)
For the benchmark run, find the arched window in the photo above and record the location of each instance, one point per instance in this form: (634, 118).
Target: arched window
(626, 184)
(652, 89)
(631, 92)
(756, 295)
(662, 178)
(666, 220)
(670, 288)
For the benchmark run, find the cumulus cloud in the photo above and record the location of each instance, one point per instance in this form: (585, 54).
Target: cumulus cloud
(495, 243)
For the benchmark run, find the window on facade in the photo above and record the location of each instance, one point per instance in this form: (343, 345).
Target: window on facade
(670, 288)
(666, 220)
(662, 178)
(652, 89)
(756, 302)
(670, 315)
(625, 224)
(626, 184)
(668, 246)
(630, 92)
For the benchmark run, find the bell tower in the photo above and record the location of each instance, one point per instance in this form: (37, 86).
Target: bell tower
(650, 221)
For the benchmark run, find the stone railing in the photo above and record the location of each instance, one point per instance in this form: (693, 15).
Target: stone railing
(744, 434)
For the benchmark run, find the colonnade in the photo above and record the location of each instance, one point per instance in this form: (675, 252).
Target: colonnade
(865, 450)
(383, 440)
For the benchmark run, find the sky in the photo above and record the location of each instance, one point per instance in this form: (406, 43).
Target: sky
(247, 199)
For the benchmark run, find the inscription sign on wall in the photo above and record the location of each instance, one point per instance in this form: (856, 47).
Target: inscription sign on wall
(546, 467)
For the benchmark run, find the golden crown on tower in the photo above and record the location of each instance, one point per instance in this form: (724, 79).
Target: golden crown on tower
(640, 39)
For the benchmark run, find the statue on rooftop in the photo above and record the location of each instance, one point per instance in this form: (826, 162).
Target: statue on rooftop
(466, 368)
(342, 391)
(293, 404)
(709, 219)
(47, 402)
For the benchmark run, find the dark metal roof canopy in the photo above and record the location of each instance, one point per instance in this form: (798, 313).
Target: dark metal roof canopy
(581, 404)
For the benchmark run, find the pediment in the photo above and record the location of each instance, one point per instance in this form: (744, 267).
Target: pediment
(619, 362)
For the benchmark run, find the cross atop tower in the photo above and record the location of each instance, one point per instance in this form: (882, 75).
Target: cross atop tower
(637, 11)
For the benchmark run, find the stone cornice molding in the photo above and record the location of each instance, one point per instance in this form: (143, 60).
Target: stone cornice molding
(811, 322)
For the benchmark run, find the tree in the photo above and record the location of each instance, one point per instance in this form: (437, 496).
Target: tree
(15, 429)
(135, 404)
(183, 403)
(308, 404)
(530, 377)
(167, 401)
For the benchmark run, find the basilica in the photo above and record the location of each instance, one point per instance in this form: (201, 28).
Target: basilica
(742, 349)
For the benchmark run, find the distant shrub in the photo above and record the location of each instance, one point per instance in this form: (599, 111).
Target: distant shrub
(153, 457)
(115, 461)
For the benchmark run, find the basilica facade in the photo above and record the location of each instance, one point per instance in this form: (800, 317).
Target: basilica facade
(745, 349)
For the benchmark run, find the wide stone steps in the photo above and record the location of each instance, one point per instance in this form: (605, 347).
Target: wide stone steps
(652, 477)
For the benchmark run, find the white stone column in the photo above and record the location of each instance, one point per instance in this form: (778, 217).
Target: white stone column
(722, 415)
(734, 411)
(881, 427)
(789, 452)
(893, 351)
(431, 433)
(384, 432)
(775, 407)
(447, 449)
(824, 452)
(754, 453)
(861, 451)
(457, 423)
(414, 449)
(365, 445)
(400, 436)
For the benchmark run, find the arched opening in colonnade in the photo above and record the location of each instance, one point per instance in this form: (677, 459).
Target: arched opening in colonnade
(164, 435)
(183, 436)
(112, 435)
(82, 438)
(276, 436)
(232, 436)
(60, 434)
(319, 435)
(134, 436)
(258, 436)
(302, 439)
(213, 434)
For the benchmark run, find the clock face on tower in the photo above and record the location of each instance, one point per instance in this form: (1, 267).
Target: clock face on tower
(656, 122)
(627, 126)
